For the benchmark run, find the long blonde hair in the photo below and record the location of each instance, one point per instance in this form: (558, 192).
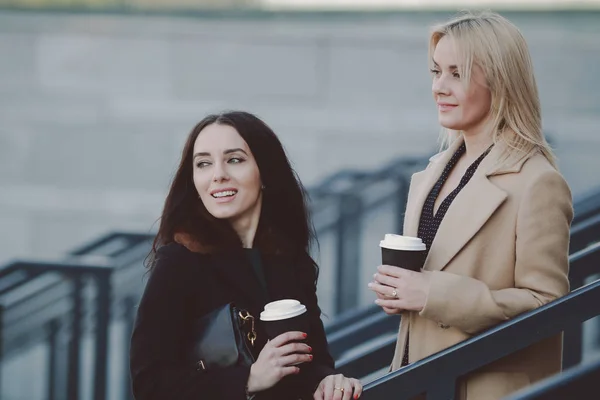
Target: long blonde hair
(499, 48)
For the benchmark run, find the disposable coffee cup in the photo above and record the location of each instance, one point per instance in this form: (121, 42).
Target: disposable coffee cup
(403, 251)
(284, 316)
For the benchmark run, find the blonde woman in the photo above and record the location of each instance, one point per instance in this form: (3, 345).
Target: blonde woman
(492, 209)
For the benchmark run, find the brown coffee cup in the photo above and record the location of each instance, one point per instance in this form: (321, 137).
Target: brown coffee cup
(403, 251)
(284, 316)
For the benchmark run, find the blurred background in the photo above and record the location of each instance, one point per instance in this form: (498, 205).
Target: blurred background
(97, 97)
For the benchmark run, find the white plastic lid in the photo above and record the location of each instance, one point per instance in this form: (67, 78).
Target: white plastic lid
(282, 309)
(399, 242)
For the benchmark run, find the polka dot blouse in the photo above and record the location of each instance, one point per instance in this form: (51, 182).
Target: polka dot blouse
(430, 222)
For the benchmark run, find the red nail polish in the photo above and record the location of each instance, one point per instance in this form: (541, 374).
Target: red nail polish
(310, 356)
(304, 334)
(310, 349)
(355, 396)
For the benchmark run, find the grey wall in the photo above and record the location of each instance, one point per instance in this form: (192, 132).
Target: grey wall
(94, 109)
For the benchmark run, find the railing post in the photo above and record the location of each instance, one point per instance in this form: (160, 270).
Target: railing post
(572, 337)
(348, 252)
(53, 329)
(102, 327)
(75, 338)
(128, 318)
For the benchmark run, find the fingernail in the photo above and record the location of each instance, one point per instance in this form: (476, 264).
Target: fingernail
(310, 349)
(304, 334)
(310, 356)
(355, 396)
(377, 301)
(375, 276)
(370, 284)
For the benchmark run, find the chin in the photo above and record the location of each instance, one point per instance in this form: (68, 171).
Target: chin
(452, 125)
(222, 214)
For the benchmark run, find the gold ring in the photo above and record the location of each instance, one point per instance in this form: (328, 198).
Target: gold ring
(340, 389)
(394, 293)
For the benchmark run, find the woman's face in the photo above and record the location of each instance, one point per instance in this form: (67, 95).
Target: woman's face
(226, 175)
(460, 108)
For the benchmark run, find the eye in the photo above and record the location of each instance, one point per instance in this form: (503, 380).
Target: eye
(202, 164)
(456, 75)
(434, 71)
(235, 160)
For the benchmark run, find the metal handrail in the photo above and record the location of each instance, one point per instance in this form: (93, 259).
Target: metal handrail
(500, 341)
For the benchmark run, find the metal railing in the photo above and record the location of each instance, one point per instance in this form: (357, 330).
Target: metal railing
(52, 302)
(75, 274)
(500, 341)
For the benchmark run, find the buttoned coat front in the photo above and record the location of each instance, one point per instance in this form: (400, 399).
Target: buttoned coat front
(501, 250)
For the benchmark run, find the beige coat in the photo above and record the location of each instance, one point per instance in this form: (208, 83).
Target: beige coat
(501, 250)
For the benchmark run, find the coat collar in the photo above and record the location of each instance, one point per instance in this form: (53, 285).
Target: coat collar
(500, 160)
(471, 208)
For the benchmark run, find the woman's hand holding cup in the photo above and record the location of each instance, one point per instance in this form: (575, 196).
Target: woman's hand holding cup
(277, 360)
(400, 289)
(286, 324)
(398, 284)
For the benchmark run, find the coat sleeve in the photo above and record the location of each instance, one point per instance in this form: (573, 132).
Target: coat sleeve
(157, 355)
(541, 265)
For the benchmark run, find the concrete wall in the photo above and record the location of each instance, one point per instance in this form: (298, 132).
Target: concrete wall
(94, 109)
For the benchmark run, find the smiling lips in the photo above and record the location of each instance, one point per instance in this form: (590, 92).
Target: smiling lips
(224, 195)
(445, 106)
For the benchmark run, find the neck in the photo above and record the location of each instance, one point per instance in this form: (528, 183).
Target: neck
(478, 140)
(246, 226)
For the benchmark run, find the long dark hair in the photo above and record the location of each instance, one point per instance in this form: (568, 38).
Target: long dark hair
(284, 226)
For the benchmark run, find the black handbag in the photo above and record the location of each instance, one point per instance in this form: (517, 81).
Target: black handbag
(221, 339)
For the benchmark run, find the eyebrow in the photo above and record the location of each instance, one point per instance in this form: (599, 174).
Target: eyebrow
(437, 65)
(228, 151)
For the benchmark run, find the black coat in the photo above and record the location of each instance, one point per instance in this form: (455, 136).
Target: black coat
(182, 287)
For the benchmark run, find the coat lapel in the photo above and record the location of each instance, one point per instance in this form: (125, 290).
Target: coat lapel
(469, 211)
(471, 208)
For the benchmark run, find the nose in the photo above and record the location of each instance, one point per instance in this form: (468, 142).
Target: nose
(220, 174)
(439, 86)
